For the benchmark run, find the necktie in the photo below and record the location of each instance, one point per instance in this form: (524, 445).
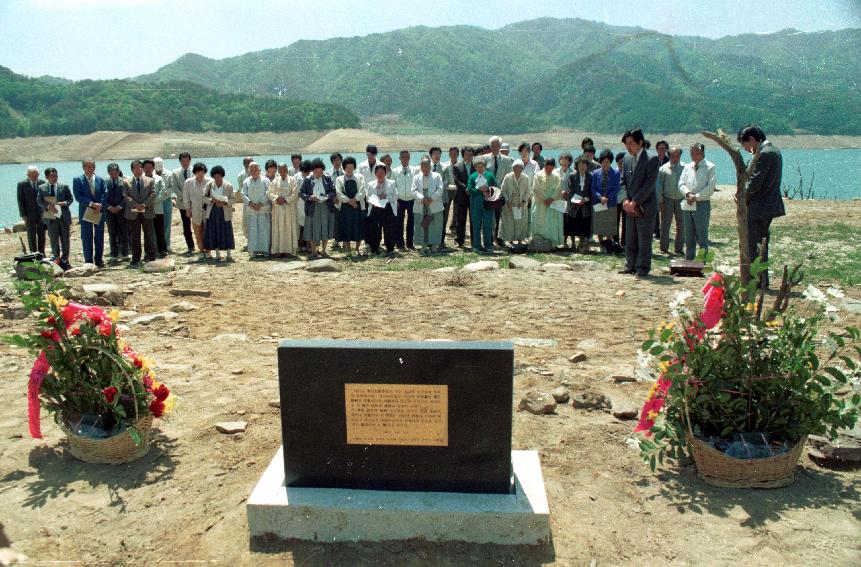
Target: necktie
(34, 186)
(185, 174)
(405, 171)
(435, 166)
(138, 184)
(495, 164)
(696, 167)
(53, 191)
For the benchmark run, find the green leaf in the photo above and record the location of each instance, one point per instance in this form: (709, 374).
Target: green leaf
(656, 350)
(850, 364)
(653, 463)
(836, 373)
(135, 435)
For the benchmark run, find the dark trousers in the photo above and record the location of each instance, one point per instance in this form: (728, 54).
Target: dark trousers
(36, 235)
(118, 234)
(638, 244)
(461, 212)
(137, 226)
(58, 232)
(93, 240)
(160, 240)
(186, 229)
(757, 229)
(382, 222)
(405, 212)
(497, 214)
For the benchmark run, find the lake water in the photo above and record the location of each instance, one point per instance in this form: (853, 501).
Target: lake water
(837, 172)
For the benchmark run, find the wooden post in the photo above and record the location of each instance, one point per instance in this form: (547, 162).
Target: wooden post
(742, 174)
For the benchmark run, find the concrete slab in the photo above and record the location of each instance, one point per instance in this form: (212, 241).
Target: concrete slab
(339, 514)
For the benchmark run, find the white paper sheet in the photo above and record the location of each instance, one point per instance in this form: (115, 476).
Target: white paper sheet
(480, 181)
(374, 200)
(688, 206)
(599, 208)
(559, 205)
(517, 213)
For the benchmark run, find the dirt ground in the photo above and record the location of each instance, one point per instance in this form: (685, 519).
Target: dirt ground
(131, 145)
(185, 501)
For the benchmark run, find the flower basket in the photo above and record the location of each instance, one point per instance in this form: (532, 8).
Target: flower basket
(116, 450)
(716, 468)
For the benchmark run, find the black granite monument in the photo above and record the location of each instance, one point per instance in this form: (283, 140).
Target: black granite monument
(391, 415)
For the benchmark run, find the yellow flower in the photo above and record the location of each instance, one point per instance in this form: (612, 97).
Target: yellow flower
(652, 391)
(652, 414)
(750, 307)
(57, 301)
(155, 383)
(773, 323)
(169, 403)
(114, 315)
(664, 366)
(147, 364)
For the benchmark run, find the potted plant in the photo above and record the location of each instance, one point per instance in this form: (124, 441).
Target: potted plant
(102, 393)
(741, 385)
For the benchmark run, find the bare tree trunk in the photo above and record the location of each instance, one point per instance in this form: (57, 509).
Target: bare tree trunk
(742, 174)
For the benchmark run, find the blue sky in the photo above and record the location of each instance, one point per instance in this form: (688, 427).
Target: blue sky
(100, 39)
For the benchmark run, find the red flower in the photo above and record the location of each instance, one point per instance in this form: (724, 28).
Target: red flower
(713, 302)
(156, 408)
(76, 331)
(137, 360)
(51, 320)
(52, 335)
(105, 328)
(72, 312)
(161, 393)
(147, 380)
(110, 392)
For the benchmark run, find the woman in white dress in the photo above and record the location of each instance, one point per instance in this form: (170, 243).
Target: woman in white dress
(516, 189)
(255, 194)
(285, 227)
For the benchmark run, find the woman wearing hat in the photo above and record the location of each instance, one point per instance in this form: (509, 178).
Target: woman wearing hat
(514, 224)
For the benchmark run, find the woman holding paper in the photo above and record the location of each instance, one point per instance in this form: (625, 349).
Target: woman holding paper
(350, 191)
(578, 216)
(218, 197)
(318, 192)
(427, 193)
(480, 188)
(605, 192)
(514, 224)
(285, 228)
(548, 205)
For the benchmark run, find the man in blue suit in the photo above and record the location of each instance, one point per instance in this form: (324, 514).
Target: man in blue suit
(638, 178)
(89, 190)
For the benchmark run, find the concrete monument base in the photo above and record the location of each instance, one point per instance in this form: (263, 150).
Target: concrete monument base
(338, 514)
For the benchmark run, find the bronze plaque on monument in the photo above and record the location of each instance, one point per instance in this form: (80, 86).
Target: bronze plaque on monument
(397, 414)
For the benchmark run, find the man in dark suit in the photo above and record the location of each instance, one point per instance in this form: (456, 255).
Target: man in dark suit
(89, 190)
(139, 194)
(764, 202)
(29, 210)
(461, 172)
(118, 226)
(641, 206)
(54, 200)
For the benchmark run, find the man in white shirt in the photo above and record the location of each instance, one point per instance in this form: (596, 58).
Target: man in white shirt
(403, 177)
(697, 184)
(240, 179)
(670, 201)
(366, 168)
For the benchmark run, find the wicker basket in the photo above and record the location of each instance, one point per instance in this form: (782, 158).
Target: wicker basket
(716, 468)
(114, 450)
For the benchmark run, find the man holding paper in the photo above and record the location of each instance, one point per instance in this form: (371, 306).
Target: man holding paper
(89, 190)
(54, 199)
(697, 184)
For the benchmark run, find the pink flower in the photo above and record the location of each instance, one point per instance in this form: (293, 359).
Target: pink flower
(72, 312)
(714, 300)
(37, 376)
(110, 392)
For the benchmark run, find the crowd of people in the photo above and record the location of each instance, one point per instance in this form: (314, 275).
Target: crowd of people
(620, 202)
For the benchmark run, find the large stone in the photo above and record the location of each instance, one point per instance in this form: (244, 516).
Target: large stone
(177, 292)
(183, 307)
(539, 403)
(624, 410)
(481, 266)
(577, 357)
(560, 394)
(152, 318)
(15, 312)
(231, 427)
(160, 266)
(101, 288)
(847, 446)
(523, 263)
(323, 265)
(112, 294)
(590, 401)
(230, 337)
(52, 267)
(446, 270)
(584, 265)
(82, 271)
(287, 266)
(538, 244)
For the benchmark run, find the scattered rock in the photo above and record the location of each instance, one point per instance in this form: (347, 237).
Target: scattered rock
(847, 446)
(128, 314)
(579, 356)
(111, 294)
(554, 266)
(184, 307)
(481, 266)
(16, 436)
(590, 401)
(584, 265)
(147, 319)
(288, 266)
(539, 403)
(82, 271)
(160, 266)
(190, 292)
(624, 410)
(231, 337)
(852, 305)
(323, 265)
(231, 427)
(622, 379)
(274, 403)
(15, 312)
(446, 270)
(587, 344)
(560, 394)
(523, 263)
(539, 244)
(237, 371)
(22, 269)
(520, 341)
(620, 294)
(101, 288)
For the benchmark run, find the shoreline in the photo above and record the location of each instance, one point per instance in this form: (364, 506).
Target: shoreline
(107, 145)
